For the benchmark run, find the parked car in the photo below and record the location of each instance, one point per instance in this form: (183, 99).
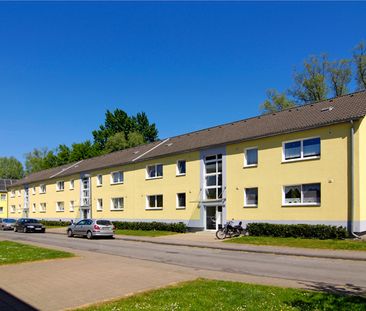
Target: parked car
(91, 228)
(29, 225)
(7, 223)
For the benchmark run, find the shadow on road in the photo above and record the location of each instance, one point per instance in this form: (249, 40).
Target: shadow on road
(8, 302)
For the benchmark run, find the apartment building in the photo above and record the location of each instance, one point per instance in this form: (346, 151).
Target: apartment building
(4, 184)
(301, 165)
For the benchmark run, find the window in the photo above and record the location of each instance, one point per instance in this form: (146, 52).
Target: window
(12, 193)
(72, 206)
(60, 186)
(251, 197)
(42, 188)
(251, 157)
(99, 180)
(154, 201)
(60, 207)
(33, 190)
(18, 193)
(1, 210)
(181, 200)
(42, 207)
(12, 209)
(301, 149)
(116, 204)
(154, 171)
(72, 184)
(19, 208)
(99, 204)
(3, 197)
(181, 167)
(34, 207)
(213, 177)
(308, 194)
(117, 177)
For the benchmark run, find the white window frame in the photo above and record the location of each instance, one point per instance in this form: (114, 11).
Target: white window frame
(58, 185)
(181, 207)
(19, 192)
(34, 190)
(177, 172)
(60, 207)
(245, 157)
(156, 176)
(99, 204)
(34, 208)
(72, 184)
(156, 202)
(12, 209)
(12, 194)
(118, 182)
(301, 195)
(3, 197)
(42, 189)
(1, 210)
(19, 208)
(72, 206)
(113, 208)
(302, 158)
(100, 180)
(42, 207)
(245, 197)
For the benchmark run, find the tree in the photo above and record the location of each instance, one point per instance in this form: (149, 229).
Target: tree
(116, 142)
(142, 125)
(276, 102)
(63, 155)
(81, 151)
(39, 159)
(135, 139)
(339, 74)
(359, 56)
(11, 168)
(310, 84)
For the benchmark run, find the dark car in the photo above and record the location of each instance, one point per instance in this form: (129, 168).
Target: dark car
(7, 223)
(29, 225)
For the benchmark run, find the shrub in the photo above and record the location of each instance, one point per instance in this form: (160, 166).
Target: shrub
(297, 231)
(56, 223)
(151, 226)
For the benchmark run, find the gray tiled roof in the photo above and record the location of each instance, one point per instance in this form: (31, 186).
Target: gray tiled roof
(342, 109)
(5, 183)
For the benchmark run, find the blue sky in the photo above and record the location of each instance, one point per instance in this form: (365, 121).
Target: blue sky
(187, 65)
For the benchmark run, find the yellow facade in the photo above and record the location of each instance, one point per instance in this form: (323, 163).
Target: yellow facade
(3, 205)
(331, 170)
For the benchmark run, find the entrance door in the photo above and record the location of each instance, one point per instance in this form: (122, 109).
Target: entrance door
(210, 217)
(85, 213)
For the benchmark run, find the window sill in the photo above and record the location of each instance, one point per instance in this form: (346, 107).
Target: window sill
(60, 190)
(116, 209)
(153, 208)
(71, 188)
(152, 178)
(99, 210)
(250, 166)
(181, 207)
(250, 206)
(42, 193)
(42, 211)
(300, 160)
(179, 175)
(115, 183)
(301, 205)
(98, 186)
(71, 211)
(60, 211)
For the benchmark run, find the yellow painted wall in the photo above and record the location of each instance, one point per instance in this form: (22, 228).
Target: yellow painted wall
(271, 175)
(3, 204)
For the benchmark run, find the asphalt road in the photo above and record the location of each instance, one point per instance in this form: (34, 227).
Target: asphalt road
(324, 272)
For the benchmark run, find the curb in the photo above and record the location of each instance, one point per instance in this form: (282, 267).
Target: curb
(352, 257)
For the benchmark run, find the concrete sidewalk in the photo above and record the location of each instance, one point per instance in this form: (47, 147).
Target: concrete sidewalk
(208, 240)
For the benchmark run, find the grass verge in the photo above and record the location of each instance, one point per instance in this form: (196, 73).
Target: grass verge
(352, 245)
(222, 295)
(152, 233)
(12, 252)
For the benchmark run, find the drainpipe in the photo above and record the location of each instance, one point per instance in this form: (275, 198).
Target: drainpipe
(352, 180)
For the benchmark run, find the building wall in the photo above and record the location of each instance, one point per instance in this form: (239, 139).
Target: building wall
(3, 205)
(271, 174)
(331, 170)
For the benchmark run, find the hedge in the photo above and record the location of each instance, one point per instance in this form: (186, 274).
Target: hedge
(297, 231)
(150, 226)
(126, 225)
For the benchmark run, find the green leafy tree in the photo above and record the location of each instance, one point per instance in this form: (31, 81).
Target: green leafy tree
(359, 56)
(11, 168)
(276, 102)
(84, 150)
(135, 139)
(310, 83)
(339, 74)
(142, 125)
(116, 142)
(63, 155)
(39, 159)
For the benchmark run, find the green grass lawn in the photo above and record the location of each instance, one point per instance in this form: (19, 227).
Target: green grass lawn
(152, 233)
(355, 245)
(12, 252)
(207, 295)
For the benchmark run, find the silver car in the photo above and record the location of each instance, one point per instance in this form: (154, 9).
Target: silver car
(7, 223)
(91, 228)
